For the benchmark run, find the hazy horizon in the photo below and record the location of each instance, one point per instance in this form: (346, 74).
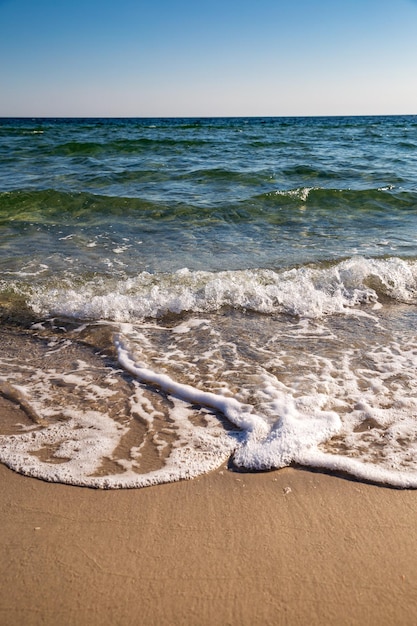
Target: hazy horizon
(193, 117)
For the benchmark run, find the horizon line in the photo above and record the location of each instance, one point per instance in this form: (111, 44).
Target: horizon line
(197, 117)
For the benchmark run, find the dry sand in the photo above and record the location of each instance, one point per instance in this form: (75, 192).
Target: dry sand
(288, 547)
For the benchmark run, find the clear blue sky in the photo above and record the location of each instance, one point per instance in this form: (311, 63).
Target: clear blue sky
(207, 57)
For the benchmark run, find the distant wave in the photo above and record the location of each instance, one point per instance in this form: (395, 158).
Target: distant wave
(121, 146)
(50, 204)
(363, 199)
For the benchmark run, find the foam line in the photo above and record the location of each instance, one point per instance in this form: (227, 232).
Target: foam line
(239, 414)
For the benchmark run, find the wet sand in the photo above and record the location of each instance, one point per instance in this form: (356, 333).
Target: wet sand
(288, 547)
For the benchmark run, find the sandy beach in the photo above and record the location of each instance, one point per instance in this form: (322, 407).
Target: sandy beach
(286, 547)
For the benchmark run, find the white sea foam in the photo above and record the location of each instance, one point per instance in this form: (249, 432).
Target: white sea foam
(327, 413)
(72, 441)
(239, 414)
(330, 391)
(306, 292)
(79, 445)
(302, 424)
(300, 193)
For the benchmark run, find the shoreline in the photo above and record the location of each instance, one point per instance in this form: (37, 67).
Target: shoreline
(285, 547)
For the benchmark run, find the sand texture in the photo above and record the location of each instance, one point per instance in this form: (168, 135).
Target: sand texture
(289, 547)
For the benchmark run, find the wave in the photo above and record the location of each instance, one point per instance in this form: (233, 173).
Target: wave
(17, 131)
(309, 291)
(122, 146)
(337, 394)
(386, 197)
(226, 175)
(49, 204)
(153, 176)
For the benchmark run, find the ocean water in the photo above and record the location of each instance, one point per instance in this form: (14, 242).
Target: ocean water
(177, 294)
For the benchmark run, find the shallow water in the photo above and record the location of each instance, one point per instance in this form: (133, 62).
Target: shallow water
(180, 293)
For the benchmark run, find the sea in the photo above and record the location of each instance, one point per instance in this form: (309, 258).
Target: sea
(183, 295)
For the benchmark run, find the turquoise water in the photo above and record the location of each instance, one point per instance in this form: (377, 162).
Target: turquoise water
(247, 286)
(212, 194)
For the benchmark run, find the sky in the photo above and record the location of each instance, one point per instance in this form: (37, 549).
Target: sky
(190, 58)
